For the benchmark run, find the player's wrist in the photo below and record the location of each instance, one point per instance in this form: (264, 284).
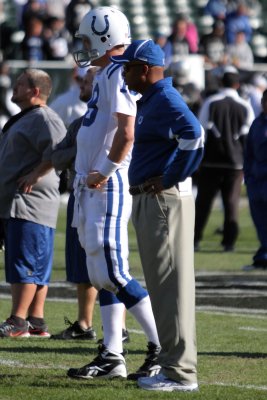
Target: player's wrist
(108, 167)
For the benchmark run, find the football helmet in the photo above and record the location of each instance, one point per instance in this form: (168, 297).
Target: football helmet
(104, 28)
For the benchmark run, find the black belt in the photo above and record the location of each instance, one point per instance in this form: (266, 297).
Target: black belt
(143, 188)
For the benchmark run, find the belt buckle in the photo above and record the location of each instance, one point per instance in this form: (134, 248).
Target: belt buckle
(141, 188)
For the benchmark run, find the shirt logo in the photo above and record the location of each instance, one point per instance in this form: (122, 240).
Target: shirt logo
(140, 120)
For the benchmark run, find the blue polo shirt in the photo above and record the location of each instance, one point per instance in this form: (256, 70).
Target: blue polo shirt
(169, 139)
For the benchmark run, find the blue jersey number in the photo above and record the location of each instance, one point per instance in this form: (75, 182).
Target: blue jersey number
(91, 113)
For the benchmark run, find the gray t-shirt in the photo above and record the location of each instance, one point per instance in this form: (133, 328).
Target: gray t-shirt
(28, 141)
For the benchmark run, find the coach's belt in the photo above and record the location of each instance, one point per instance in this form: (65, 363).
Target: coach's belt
(143, 188)
(185, 188)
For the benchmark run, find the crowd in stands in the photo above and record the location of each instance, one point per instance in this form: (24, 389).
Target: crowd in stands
(48, 33)
(47, 30)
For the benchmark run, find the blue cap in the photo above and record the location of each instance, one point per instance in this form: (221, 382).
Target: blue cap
(142, 50)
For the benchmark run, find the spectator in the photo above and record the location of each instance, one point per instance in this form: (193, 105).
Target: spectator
(216, 8)
(236, 21)
(167, 149)
(29, 202)
(213, 45)
(184, 37)
(162, 40)
(75, 11)
(58, 39)
(255, 172)
(68, 104)
(255, 90)
(240, 53)
(226, 118)
(33, 44)
(33, 8)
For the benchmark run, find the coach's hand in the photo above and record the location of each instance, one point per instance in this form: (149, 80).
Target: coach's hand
(154, 185)
(95, 180)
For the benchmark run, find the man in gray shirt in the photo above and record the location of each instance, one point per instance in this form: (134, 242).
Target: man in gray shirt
(29, 202)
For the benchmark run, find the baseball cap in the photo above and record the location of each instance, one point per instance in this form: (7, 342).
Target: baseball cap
(142, 50)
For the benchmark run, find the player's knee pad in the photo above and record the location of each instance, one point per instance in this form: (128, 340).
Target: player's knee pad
(131, 294)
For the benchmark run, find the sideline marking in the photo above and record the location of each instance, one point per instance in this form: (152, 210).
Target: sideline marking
(12, 363)
(252, 329)
(239, 386)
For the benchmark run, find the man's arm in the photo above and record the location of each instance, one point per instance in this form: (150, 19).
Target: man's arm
(122, 143)
(26, 182)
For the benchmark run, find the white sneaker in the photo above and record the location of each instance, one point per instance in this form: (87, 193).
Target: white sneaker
(162, 383)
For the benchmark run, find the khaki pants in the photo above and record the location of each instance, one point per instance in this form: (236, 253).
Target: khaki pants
(164, 226)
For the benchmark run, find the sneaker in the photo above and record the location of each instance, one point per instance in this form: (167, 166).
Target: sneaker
(9, 329)
(106, 365)
(125, 337)
(40, 331)
(75, 331)
(252, 267)
(150, 366)
(228, 248)
(162, 383)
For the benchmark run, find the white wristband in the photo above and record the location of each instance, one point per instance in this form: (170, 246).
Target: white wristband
(108, 167)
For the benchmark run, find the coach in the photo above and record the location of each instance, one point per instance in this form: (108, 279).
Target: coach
(167, 149)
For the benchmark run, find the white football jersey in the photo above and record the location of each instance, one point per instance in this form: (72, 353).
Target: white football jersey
(110, 96)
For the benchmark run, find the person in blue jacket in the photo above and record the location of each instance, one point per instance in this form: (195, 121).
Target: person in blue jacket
(255, 173)
(168, 148)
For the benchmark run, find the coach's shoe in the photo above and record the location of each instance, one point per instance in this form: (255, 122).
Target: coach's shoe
(10, 329)
(75, 331)
(107, 365)
(161, 383)
(150, 366)
(38, 330)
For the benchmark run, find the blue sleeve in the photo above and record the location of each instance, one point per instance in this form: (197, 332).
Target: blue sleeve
(186, 130)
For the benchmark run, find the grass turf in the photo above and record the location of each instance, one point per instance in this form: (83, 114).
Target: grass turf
(232, 348)
(231, 360)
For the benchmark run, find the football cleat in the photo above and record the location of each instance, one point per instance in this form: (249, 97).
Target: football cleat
(107, 365)
(150, 367)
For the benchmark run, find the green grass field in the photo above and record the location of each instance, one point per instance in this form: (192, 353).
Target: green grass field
(232, 348)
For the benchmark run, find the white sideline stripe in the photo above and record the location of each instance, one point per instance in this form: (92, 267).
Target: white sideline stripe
(239, 386)
(240, 312)
(12, 363)
(251, 328)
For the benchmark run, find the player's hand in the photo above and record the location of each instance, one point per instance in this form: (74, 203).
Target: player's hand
(95, 180)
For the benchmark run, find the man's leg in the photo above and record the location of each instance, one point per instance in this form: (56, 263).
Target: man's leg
(166, 250)
(207, 188)
(22, 297)
(86, 295)
(28, 262)
(231, 188)
(36, 308)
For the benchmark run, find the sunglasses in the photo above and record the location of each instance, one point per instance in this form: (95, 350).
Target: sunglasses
(128, 66)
